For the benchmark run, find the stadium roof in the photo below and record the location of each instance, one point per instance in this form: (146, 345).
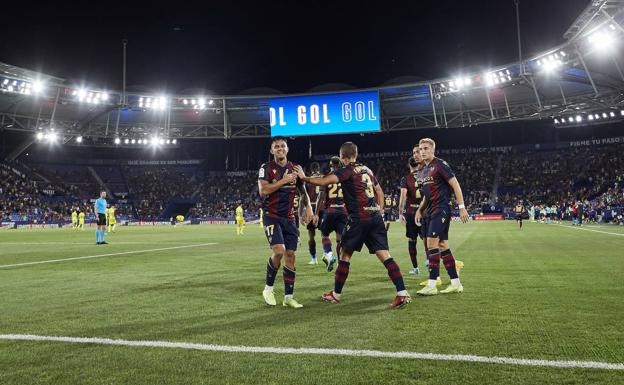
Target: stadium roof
(582, 76)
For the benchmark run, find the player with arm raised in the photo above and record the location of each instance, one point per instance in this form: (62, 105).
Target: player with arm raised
(278, 186)
(438, 180)
(364, 201)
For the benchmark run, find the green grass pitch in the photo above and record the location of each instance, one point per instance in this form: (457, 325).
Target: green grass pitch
(544, 292)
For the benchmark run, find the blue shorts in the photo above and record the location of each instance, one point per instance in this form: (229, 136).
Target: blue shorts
(423, 227)
(412, 230)
(371, 233)
(333, 222)
(438, 224)
(281, 231)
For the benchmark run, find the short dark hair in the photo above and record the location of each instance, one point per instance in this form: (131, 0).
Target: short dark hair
(413, 162)
(315, 167)
(334, 161)
(278, 138)
(349, 149)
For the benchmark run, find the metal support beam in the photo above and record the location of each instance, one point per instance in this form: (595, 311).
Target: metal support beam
(433, 108)
(58, 94)
(591, 80)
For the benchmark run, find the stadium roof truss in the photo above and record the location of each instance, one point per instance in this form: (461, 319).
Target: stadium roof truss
(582, 76)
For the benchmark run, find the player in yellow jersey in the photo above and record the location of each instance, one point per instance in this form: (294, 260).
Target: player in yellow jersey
(240, 220)
(81, 219)
(261, 221)
(519, 210)
(111, 221)
(74, 219)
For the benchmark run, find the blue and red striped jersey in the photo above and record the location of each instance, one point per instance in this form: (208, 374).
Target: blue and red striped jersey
(358, 184)
(313, 191)
(334, 199)
(414, 195)
(435, 187)
(279, 204)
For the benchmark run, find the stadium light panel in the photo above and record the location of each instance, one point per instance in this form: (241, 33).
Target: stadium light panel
(590, 117)
(612, 114)
(161, 141)
(79, 139)
(622, 112)
(168, 141)
(174, 141)
(571, 119)
(133, 141)
(601, 39)
(210, 102)
(52, 137)
(556, 121)
(126, 141)
(604, 115)
(117, 140)
(579, 118)
(38, 87)
(40, 136)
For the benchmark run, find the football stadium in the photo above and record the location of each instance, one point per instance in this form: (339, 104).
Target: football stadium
(188, 198)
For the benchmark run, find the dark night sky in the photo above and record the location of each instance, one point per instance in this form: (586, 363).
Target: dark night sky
(229, 47)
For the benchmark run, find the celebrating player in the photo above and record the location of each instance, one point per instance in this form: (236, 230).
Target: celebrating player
(74, 219)
(408, 204)
(437, 177)
(364, 200)
(100, 212)
(240, 220)
(334, 216)
(313, 192)
(277, 184)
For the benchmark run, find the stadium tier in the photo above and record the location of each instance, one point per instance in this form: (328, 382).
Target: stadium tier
(493, 181)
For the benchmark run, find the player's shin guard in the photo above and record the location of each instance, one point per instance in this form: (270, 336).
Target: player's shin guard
(411, 247)
(434, 263)
(338, 248)
(395, 274)
(449, 263)
(271, 273)
(327, 244)
(289, 281)
(342, 272)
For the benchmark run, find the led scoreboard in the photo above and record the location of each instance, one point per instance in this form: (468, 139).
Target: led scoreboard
(349, 112)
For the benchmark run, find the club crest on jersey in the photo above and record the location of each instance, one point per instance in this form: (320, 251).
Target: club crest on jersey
(443, 220)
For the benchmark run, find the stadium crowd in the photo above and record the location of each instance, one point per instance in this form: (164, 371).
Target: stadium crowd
(560, 178)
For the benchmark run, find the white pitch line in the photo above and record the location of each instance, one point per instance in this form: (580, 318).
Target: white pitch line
(105, 255)
(316, 351)
(586, 229)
